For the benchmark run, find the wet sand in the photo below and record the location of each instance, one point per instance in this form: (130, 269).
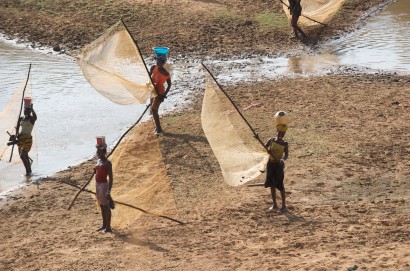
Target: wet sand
(346, 181)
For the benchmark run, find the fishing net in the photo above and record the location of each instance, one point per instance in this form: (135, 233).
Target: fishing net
(319, 10)
(241, 157)
(8, 122)
(140, 178)
(114, 67)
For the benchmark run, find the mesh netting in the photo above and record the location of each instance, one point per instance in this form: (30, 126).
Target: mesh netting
(239, 154)
(113, 66)
(140, 178)
(319, 10)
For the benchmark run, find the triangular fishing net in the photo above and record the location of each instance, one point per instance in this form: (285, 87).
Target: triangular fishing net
(114, 67)
(318, 10)
(140, 178)
(241, 157)
(8, 122)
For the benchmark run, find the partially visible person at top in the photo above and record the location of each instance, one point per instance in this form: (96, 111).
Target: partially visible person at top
(159, 76)
(103, 184)
(25, 139)
(295, 9)
(279, 151)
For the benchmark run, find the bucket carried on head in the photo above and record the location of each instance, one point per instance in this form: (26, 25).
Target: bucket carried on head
(27, 102)
(161, 51)
(101, 142)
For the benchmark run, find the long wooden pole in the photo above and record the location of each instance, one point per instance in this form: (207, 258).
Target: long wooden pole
(237, 109)
(21, 108)
(125, 204)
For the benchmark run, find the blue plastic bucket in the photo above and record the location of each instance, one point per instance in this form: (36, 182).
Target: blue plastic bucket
(161, 50)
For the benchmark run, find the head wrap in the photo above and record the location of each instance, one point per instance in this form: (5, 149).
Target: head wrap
(282, 128)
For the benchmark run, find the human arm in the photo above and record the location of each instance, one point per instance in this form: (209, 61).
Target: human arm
(286, 152)
(110, 179)
(267, 144)
(34, 117)
(151, 70)
(169, 83)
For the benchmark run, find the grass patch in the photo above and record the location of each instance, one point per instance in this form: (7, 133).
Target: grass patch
(271, 19)
(226, 15)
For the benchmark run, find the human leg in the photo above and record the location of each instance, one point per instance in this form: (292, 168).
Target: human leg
(296, 27)
(106, 214)
(26, 161)
(273, 193)
(283, 196)
(154, 109)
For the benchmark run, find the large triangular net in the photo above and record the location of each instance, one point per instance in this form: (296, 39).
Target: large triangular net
(318, 10)
(241, 157)
(8, 122)
(140, 178)
(114, 67)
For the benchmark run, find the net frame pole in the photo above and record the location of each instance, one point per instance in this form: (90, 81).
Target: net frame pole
(237, 109)
(21, 108)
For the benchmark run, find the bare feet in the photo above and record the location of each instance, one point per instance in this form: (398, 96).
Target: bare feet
(282, 210)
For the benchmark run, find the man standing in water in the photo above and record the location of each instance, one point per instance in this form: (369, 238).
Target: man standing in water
(25, 140)
(159, 76)
(295, 9)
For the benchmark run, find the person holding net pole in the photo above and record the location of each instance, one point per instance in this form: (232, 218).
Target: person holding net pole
(159, 76)
(24, 138)
(295, 9)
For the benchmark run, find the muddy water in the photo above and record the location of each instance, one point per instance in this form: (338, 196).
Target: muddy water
(382, 44)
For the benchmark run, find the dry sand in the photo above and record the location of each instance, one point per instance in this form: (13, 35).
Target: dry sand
(346, 179)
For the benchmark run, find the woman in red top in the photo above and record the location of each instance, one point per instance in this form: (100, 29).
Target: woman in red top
(103, 185)
(159, 76)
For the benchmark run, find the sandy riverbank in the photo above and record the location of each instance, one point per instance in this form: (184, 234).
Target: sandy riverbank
(346, 180)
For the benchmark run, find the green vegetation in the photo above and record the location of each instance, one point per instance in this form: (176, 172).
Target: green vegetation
(226, 15)
(271, 19)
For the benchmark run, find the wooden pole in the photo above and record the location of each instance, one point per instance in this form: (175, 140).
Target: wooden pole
(21, 108)
(125, 204)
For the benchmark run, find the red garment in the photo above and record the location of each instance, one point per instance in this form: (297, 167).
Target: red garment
(101, 173)
(159, 80)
